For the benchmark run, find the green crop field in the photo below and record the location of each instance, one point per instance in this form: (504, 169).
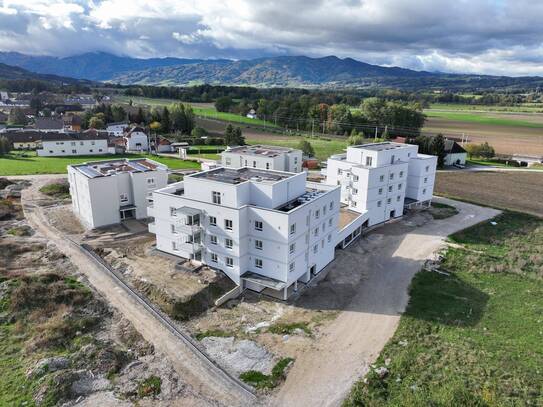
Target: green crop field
(484, 118)
(474, 336)
(17, 163)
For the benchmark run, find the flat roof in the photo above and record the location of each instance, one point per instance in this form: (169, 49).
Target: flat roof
(238, 175)
(386, 145)
(260, 150)
(108, 168)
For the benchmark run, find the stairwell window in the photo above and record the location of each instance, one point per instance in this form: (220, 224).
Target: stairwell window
(216, 197)
(291, 267)
(293, 228)
(292, 248)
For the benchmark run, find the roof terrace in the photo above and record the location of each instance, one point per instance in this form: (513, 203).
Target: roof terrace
(238, 175)
(109, 168)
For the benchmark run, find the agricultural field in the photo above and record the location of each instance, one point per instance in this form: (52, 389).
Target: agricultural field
(17, 163)
(515, 190)
(489, 118)
(524, 107)
(471, 334)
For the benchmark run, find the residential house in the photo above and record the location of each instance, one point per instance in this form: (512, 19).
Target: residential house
(263, 157)
(72, 122)
(107, 192)
(136, 140)
(72, 144)
(455, 153)
(252, 114)
(117, 128)
(24, 140)
(49, 124)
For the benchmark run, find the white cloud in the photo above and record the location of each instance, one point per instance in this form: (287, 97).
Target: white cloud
(486, 36)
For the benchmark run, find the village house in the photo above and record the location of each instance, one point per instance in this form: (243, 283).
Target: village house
(72, 144)
(136, 140)
(72, 122)
(49, 124)
(117, 128)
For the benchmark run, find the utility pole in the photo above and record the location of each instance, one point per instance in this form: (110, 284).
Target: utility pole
(376, 131)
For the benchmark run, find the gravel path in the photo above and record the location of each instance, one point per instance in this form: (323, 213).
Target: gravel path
(374, 274)
(212, 387)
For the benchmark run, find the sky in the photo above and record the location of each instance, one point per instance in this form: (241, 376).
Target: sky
(503, 37)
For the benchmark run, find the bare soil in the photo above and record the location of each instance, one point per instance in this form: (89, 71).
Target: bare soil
(516, 190)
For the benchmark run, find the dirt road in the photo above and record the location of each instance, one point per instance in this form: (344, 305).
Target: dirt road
(212, 388)
(368, 282)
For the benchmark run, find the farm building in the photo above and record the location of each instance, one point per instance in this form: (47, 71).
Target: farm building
(456, 155)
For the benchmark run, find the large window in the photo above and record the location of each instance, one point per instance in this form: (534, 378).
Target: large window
(258, 225)
(369, 161)
(213, 221)
(213, 239)
(228, 243)
(258, 244)
(228, 224)
(258, 263)
(216, 197)
(229, 262)
(214, 257)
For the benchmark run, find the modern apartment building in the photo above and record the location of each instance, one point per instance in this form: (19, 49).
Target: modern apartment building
(379, 179)
(263, 157)
(264, 229)
(107, 192)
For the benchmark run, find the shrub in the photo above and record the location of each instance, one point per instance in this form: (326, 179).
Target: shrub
(149, 387)
(260, 380)
(56, 190)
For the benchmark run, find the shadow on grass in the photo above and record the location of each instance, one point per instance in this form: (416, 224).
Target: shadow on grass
(447, 300)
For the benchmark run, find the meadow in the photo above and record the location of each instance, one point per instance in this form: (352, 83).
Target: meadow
(487, 118)
(28, 163)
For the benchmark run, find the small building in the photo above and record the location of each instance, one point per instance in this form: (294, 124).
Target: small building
(49, 124)
(136, 140)
(107, 192)
(455, 153)
(266, 230)
(72, 144)
(163, 145)
(263, 157)
(252, 114)
(117, 128)
(72, 122)
(24, 140)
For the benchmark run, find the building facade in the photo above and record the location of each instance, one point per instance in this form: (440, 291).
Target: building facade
(117, 128)
(264, 229)
(263, 157)
(137, 140)
(72, 144)
(107, 192)
(379, 179)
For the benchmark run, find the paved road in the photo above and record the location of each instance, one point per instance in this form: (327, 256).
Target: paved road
(212, 386)
(374, 274)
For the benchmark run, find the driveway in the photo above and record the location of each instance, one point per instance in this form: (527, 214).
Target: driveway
(368, 284)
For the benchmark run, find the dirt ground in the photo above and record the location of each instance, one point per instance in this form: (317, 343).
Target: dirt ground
(515, 190)
(504, 139)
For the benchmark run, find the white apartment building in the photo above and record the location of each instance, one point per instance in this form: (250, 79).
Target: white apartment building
(70, 144)
(264, 229)
(107, 192)
(378, 179)
(263, 157)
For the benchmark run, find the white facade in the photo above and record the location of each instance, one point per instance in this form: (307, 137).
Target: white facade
(455, 159)
(376, 179)
(263, 157)
(264, 229)
(137, 141)
(106, 192)
(117, 129)
(71, 147)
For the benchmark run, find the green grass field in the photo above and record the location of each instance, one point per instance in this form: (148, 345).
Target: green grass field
(483, 118)
(474, 337)
(17, 164)
(524, 108)
(324, 148)
(206, 112)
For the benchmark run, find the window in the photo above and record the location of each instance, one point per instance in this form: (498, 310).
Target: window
(213, 239)
(99, 150)
(173, 211)
(124, 197)
(228, 243)
(339, 171)
(398, 198)
(399, 187)
(315, 248)
(317, 214)
(214, 257)
(401, 174)
(368, 161)
(74, 151)
(258, 263)
(427, 168)
(174, 246)
(391, 175)
(379, 203)
(424, 191)
(213, 221)
(254, 164)
(246, 163)
(354, 204)
(382, 178)
(258, 244)
(93, 143)
(380, 191)
(390, 188)
(73, 143)
(323, 227)
(329, 238)
(392, 159)
(229, 262)
(355, 191)
(389, 200)
(172, 229)
(291, 267)
(150, 181)
(324, 210)
(293, 228)
(355, 178)
(267, 166)
(228, 224)
(330, 222)
(425, 180)
(292, 248)
(322, 243)
(90, 151)
(331, 205)
(316, 232)
(63, 151)
(258, 225)
(216, 197)
(81, 143)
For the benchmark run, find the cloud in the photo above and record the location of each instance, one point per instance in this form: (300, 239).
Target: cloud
(476, 36)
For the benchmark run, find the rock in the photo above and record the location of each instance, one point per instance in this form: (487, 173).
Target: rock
(88, 384)
(48, 365)
(285, 338)
(387, 361)
(298, 331)
(382, 372)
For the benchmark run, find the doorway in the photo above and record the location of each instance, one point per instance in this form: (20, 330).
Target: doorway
(393, 214)
(128, 214)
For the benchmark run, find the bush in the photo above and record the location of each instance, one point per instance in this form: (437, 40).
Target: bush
(260, 380)
(150, 386)
(56, 190)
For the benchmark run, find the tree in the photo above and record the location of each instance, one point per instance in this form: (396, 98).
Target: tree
(307, 148)
(118, 113)
(233, 136)
(355, 138)
(5, 145)
(17, 117)
(484, 150)
(166, 123)
(155, 126)
(97, 122)
(199, 132)
(224, 104)
(438, 149)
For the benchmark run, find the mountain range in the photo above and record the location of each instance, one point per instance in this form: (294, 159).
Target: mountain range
(9, 72)
(295, 71)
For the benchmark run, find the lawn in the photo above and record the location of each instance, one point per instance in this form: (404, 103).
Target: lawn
(473, 337)
(483, 118)
(17, 164)
(324, 148)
